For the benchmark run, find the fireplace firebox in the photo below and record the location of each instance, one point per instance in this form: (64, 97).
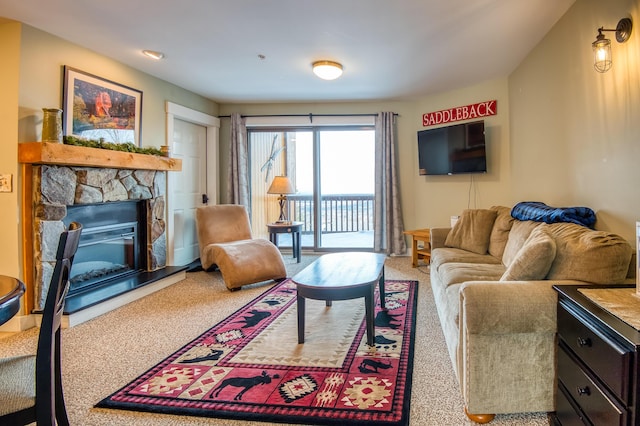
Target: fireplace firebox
(110, 246)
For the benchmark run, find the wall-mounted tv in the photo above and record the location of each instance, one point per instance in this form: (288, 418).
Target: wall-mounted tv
(452, 150)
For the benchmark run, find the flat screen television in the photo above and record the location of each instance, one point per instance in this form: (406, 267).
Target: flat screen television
(452, 150)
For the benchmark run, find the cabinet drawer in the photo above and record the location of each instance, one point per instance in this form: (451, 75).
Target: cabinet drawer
(606, 359)
(598, 407)
(566, 413)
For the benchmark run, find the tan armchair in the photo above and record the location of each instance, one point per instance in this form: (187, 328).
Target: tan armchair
(225, 240)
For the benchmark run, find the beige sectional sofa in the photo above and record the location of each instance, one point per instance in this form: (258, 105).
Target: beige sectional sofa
(491, 277)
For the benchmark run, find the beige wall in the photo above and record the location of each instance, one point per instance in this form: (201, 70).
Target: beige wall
(31, 76)
(575, 133)
(437, 198)
(41, 74)
(9, 77)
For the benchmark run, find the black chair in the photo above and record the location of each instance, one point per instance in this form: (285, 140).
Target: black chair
(24, 400)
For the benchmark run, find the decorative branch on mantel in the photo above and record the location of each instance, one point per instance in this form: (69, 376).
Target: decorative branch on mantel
(125, 147)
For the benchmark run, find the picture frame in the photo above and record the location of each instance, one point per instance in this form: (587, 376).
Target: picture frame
(96, 108)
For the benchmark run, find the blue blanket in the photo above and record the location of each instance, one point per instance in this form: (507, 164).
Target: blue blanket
(540, 212)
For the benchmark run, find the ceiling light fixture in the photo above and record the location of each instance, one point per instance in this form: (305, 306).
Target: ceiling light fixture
(153, 54)
(327, 70)
(602, 46)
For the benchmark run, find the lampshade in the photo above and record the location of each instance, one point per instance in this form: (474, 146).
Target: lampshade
(327, 70)
(281, 185)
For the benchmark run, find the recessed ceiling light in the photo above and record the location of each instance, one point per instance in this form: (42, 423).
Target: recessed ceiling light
(153, 54)
(327, 70)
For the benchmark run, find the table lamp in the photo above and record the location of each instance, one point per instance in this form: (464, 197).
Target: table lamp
(281, 185)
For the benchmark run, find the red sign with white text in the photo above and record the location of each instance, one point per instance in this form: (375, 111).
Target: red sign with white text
(467, 112)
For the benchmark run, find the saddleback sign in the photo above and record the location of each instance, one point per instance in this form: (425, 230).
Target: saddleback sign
(467, 112)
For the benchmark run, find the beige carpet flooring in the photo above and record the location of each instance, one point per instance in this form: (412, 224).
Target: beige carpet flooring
(104, 354)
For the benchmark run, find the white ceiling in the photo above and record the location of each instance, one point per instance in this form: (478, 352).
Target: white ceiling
(390, 50)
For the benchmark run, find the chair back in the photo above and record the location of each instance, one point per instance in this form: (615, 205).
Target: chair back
(49, 398)
(222, 223)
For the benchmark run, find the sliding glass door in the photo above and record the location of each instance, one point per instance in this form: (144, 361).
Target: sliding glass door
(345, 187)
(333, 172)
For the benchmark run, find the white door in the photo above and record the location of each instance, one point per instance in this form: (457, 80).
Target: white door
(193, 138)
(189, 145)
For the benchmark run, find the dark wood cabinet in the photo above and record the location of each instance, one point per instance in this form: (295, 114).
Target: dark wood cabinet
(597, 369)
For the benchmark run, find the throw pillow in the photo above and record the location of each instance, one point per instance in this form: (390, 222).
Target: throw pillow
(519, 233)
(534, 259)
(500, 231)
(471, 232)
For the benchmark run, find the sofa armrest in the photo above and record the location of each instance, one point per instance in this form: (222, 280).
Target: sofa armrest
(506, 352)
(438, 237)
(490, 307)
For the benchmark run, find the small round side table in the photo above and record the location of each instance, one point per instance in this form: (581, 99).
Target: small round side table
(293, 228)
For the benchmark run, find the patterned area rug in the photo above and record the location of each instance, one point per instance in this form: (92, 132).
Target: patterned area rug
(250, 366)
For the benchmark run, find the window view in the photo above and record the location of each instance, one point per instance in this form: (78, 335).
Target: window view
(346, 189)
(333, 173)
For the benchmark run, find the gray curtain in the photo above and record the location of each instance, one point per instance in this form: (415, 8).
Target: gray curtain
(238, 183)
(388, 225)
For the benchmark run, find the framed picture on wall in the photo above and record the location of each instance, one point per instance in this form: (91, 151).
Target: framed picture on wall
(95, 108)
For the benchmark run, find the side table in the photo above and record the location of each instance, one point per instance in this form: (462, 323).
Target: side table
(11, 290)
(424, 252)
(293, 228)
(597, 365)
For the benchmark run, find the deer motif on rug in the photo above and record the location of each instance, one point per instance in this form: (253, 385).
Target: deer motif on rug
(245, 383)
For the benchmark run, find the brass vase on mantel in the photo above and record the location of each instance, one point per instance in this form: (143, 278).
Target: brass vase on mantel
(52, 125)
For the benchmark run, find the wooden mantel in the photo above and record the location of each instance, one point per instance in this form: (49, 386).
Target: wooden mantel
(71, 155)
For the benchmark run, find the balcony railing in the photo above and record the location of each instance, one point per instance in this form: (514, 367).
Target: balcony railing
(339, 212)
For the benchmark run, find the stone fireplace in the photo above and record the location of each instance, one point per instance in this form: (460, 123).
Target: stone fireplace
(120, 200)
(60, 189)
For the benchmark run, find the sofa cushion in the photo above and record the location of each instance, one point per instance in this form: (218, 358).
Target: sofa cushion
(443, 255)
(471, 232)
(500, 231)
(517, 236)
(583, 254)
(534, 259)
(456, 273)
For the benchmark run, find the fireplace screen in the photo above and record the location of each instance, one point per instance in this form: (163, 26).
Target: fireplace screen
(104, 252)
(109, 245)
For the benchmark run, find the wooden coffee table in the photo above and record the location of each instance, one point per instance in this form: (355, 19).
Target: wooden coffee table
(342, 276)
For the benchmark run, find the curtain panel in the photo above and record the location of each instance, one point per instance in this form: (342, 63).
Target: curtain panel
(238, 182)
(388, 234)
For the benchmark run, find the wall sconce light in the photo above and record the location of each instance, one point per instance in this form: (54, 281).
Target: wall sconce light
(602, 46)
(327, 70)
